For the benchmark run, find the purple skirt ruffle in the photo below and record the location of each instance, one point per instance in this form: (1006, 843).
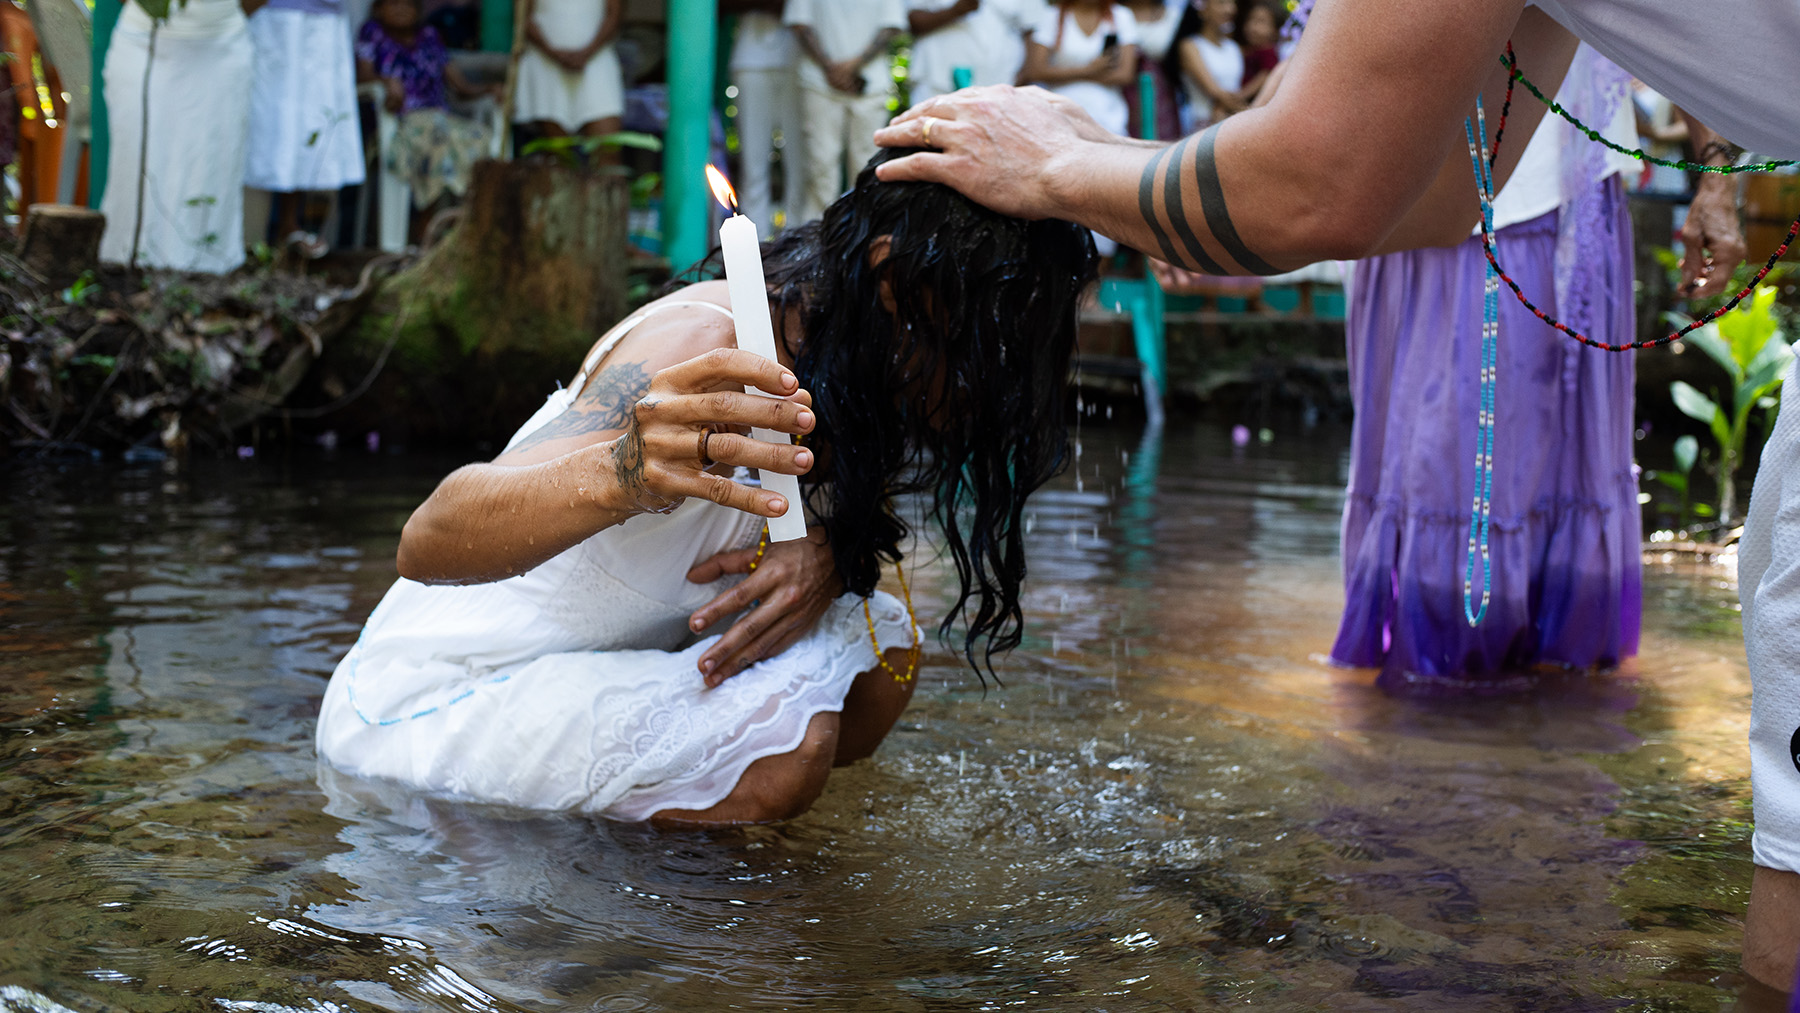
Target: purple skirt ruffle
(1565, 534)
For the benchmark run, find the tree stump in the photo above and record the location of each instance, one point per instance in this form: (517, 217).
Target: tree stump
(61, 241)
(481, 327)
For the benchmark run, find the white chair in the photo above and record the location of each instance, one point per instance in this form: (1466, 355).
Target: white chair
(395, 194)
(64, 30)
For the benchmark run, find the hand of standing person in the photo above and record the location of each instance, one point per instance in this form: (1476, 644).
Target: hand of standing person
(395, 100)
(845, 76)
(791, 584)
(1711, 238)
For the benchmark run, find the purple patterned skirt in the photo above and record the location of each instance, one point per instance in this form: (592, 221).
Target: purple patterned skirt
(1565, 536)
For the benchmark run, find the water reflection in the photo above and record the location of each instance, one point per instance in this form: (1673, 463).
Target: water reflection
(1174, 803)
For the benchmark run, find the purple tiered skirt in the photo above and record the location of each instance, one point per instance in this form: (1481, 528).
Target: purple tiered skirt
(1565, 533)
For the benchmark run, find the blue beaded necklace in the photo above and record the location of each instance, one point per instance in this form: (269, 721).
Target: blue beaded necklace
(1482, 508)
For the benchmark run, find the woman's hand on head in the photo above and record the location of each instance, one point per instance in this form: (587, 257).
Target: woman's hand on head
(696, 415)
(791, 586)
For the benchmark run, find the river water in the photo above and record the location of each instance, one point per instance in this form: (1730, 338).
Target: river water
(1173, 804)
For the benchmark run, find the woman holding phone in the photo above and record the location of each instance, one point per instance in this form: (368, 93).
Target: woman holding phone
(1087, 50)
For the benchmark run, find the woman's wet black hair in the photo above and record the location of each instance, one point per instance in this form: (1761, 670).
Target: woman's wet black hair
(957, 394)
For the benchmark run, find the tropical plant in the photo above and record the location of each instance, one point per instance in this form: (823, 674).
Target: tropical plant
(566, 148)
(1686, 453)
(1749, 344)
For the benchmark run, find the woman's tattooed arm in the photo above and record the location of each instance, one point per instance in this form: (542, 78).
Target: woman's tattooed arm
(603, 406)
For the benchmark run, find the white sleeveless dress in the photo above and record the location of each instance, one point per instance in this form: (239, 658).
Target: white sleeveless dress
(574, 686)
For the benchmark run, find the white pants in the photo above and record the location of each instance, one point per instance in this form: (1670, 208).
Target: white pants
(1769, 586)
(767, 101)
(840, 135)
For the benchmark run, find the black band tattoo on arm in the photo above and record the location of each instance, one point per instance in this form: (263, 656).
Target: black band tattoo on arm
(1169, 164)
(1218, 217)
(602, 406)
(1147, 206)
(1172, 198)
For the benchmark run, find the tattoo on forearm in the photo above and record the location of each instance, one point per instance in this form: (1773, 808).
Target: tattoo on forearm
(604, 405)
(1212, 199)
(1147, 206)
(628, 469)
(1169, 165)
(1172, 199)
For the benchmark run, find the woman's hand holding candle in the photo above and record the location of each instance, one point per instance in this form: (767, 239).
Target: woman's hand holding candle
(700, 407)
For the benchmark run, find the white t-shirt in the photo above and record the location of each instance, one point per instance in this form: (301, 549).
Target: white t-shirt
(990, 42)
(1732, 64)
(1154, 37)
(1225, 62)
(844, 29)
(1070, 47)
(763, 43)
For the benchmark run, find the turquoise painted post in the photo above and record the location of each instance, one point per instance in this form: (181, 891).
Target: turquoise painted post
(686, 214)
(497, 25)
(1148, 328)
(106, 15)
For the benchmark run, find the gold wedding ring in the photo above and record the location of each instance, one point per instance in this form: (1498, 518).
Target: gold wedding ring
(927, 130)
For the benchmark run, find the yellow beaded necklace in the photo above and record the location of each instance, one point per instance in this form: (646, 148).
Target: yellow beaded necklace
(912, 622)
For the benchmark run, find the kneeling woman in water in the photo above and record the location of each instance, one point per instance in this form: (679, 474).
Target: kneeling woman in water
(536, 651)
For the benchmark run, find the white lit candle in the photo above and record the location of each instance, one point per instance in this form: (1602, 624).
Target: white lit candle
(755, 333)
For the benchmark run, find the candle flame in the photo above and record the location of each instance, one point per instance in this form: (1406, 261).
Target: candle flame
(721, 188)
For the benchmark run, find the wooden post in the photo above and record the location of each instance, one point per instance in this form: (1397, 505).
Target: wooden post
(61, 241)
(686, 208)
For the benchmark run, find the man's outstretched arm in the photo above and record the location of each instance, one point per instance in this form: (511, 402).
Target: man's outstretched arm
(1360, 151)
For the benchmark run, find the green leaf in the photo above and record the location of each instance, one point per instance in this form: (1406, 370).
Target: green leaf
(1703, 510)
(1749, 327)
(1707, 339)
(1692, 403)
(1771, 363)
(1679, 483)
(628, 139)
(1687, 449)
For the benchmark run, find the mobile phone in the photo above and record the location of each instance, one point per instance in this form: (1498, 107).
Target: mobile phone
(1111, 43)
(862, 84)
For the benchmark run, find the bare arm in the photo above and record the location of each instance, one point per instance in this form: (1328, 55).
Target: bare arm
(1359, 148)
(1712, 240)
(923, 23)
(1192, 66)
(630, 443)
(809, 45)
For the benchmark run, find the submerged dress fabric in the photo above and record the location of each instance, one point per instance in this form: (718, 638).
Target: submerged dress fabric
(1564, 540)
(575, 686)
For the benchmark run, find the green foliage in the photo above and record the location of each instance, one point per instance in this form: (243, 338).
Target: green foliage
(1748, 344)
(158, 9)
(569, 150)
(644, 187)
(82, 291)
(1687, 454)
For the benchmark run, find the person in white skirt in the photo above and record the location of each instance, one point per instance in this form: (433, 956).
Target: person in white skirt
(305, 134)
(541, 647)
(570, 81)
(188, 167)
